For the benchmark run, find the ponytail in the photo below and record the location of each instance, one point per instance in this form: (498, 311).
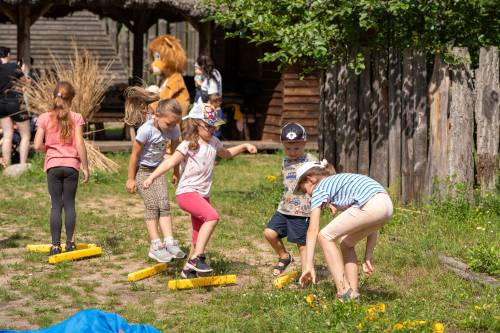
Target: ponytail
(63, 96)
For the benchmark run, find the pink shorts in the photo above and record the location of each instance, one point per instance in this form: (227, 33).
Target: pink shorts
(200, 209)
(372, 214)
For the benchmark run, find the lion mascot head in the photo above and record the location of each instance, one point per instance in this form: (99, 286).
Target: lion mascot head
(168, 61)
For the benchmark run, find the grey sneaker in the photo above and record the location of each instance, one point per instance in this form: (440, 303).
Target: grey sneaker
(175, 250)
(199, 264)
(160, 254)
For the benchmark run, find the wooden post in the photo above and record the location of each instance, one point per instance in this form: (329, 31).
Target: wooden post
(421, 117)
(394, 87)
(407, 127)
(439, 86)
(23, 33)
(205, 32)
(461, 122)
(123, 47)
(327, 114)
(487, 108)
(379, 131)
(364, 100)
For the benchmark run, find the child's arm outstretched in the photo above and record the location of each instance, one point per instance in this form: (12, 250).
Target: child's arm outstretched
(82, 153)
(166, 165)
(236, 150)
(133, 164)
(173, 147)
(309, 274)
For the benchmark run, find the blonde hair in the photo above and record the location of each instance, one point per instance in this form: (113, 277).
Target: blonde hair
(191, 133)
(317, 171)
(168, 105)
(63, 96)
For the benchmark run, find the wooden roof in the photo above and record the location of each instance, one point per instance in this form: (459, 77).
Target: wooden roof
(57, 35)
(170, 10)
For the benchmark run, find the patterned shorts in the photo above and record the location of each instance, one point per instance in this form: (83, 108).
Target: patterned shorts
(155, 197)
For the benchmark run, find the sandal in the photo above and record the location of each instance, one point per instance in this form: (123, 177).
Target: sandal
(348, 296)
(282, 265)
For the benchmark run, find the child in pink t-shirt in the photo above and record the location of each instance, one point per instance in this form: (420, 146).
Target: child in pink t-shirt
(60, 136)
(197, 154)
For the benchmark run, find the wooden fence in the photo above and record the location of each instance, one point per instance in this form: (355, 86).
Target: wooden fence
(406, 126)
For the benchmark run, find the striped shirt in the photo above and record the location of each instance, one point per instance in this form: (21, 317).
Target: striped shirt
(344, 190)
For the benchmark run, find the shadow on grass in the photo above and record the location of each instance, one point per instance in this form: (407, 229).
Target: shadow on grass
(11, 241)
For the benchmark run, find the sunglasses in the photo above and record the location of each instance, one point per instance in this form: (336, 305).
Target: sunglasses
(208, 128)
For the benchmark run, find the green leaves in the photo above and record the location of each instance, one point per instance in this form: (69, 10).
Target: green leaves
(316, 33)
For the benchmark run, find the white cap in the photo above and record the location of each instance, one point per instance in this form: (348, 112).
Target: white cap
(306, 166)
(205, 112)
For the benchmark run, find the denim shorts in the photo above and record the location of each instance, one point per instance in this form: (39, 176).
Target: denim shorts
(294, 228)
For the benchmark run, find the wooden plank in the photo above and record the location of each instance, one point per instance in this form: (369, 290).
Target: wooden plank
(301, 114)
(303, 91)
(379, 131)
(300, 107)
(202, 282)
(421, 112)
(364, 99)
(351, 130)
(461, 122)
(487, 108)
(301, 83)
(407, 128)
(307, 123)
(437, 167)
(341, 117)
(394, 87)
(327, 123)
(301, 99)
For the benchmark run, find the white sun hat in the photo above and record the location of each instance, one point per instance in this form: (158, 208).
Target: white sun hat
(302, 170)
(206, 113)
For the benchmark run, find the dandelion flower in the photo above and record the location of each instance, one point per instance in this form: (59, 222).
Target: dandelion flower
(271, 178)
(437, 328)
(398, 327)
(310, 299)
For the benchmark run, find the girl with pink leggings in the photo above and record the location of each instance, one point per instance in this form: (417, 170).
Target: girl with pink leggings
(196, 155)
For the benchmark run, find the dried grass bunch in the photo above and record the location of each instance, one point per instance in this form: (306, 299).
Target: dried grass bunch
(137, 104)
(90, 81)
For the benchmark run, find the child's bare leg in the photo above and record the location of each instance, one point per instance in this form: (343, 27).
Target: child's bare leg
(302, 252)
(371, 234)
(273, 238)
(204, 235)
(335, 263)
(350, 264)
(166, 226)
(152, 226)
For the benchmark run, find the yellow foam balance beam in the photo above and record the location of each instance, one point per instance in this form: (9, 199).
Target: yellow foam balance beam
(147, 272)
(202, 282)
(283, 280)
(45, 248)
(73, 255)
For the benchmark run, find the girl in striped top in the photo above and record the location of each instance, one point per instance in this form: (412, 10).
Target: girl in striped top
(365, 207)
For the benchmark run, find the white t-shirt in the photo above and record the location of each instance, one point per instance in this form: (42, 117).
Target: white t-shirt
(197, 167)
(211, 85)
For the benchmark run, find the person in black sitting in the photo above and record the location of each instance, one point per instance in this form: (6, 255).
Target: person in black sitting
(10, 110)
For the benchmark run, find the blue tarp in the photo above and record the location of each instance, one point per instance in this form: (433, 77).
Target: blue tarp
(90, 321)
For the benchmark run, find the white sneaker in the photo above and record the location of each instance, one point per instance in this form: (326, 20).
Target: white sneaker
(175, 250)
(161, 254)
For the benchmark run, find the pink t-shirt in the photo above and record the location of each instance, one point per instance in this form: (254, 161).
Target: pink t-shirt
(59, 153)
(197, 167)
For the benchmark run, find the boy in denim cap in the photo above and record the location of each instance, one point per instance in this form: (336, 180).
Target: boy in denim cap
(291, 220)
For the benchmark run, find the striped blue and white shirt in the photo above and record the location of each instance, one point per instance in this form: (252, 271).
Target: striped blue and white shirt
(344, 190)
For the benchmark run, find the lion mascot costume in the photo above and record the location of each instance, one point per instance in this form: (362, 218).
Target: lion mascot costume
(168, 62)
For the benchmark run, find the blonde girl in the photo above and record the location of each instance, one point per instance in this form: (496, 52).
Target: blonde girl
(197, 154)
(365, 207)
(60, 136)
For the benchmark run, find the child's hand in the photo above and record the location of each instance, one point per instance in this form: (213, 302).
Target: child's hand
(368, 268)
(86, 175)
(308, 276)
(147, 183)
(175, 179)
(130, 185)
(251, 148)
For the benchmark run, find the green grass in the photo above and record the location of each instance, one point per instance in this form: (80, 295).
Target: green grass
(409, 279)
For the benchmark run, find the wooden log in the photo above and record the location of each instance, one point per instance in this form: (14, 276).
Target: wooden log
(437, 167)
(123, 47)
(421, 113)
(486, 109)
(379, 130)
(364, 100)
(300, 107)
(394, 86)
(301, 83)
(407, 128)
(301, 99)
(461, 122)
(463, 270)
(301, 91)
(327, 114)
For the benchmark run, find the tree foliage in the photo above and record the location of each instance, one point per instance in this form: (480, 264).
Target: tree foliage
(315, 33)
